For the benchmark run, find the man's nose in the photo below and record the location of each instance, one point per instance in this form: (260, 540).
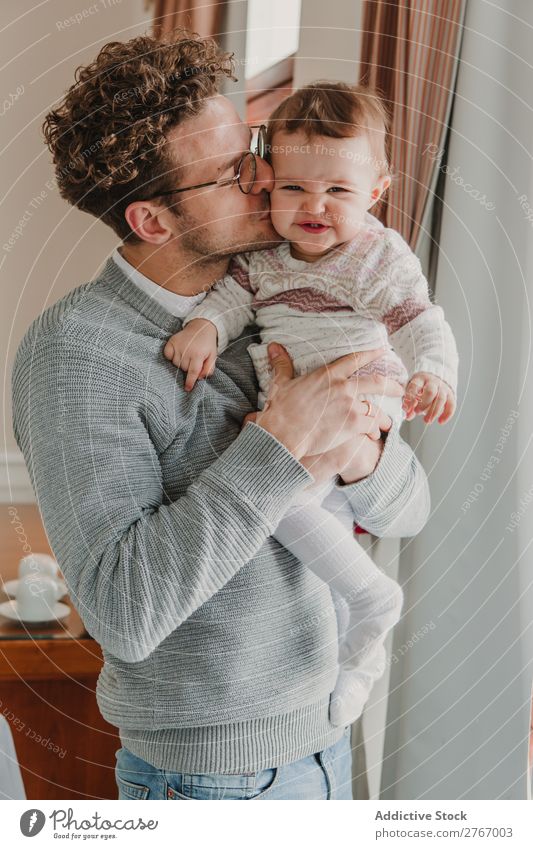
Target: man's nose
(264, 177)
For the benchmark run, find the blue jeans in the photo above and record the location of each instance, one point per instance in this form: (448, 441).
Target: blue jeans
(325, 775)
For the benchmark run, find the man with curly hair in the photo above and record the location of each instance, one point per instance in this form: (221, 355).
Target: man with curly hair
(220, 649)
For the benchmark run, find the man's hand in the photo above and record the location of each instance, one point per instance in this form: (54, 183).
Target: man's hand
(316, 413)
(354, 460)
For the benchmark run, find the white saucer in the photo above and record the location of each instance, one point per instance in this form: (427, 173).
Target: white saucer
(9, 610)
(10, 588)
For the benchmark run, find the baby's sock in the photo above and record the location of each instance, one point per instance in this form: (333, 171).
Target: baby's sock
(353, 687)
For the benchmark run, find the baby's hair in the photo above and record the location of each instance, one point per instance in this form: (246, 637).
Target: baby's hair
(337, 110)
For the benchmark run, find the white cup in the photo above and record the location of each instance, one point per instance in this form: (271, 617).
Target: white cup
(42, 563)
(36, 597)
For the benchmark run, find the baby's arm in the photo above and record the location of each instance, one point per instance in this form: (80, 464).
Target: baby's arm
(428, 395)
(427, 346)
(222, 316)
(194, 350)
(399, 298)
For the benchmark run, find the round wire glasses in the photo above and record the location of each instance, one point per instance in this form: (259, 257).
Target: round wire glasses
(245, 171)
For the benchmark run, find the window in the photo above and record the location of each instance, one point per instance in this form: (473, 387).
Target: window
(272, 37)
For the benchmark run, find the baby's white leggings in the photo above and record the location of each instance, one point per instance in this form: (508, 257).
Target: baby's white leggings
(318, 529)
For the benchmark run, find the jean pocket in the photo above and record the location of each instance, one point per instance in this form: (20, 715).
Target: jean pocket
(130, 790)
(221, 787)
(266, 781)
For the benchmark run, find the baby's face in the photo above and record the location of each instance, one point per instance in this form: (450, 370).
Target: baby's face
(323, 188)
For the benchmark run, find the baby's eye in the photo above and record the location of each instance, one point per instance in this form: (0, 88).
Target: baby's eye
(292, 188)
(337, 189)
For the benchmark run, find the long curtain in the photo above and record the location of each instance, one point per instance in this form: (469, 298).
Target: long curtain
(196, 15)
(458, 719)
(409, 53)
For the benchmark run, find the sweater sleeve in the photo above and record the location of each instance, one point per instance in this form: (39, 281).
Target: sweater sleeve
(137, 567)
(397, 295)
(229, 303)
(394, 500)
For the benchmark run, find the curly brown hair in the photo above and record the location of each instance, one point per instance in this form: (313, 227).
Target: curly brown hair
(108, 134)
(334, 109)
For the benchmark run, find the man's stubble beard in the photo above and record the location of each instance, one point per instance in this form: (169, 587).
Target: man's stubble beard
(198, 239)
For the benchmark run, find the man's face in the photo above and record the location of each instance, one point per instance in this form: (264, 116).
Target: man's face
(218, 220)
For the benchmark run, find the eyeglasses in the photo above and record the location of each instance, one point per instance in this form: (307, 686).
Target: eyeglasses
(245, 170)
(261, 140)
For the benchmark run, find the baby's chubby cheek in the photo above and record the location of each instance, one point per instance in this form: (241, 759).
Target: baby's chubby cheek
(281, 217)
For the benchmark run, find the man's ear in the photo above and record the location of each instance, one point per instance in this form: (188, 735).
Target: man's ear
(149, 222)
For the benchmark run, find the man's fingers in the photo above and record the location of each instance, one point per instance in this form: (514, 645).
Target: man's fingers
(378, 386)
(373, 429)
(345, 366)
(280, 362)
(384, 421)
(380, 421)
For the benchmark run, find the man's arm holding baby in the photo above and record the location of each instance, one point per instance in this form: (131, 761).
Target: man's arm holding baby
(137, 565)
(382, 479)
(394, 499)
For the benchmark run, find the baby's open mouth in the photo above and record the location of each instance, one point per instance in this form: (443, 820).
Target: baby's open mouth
(313, 227)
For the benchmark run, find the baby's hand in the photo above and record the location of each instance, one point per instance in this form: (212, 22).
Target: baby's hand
(194, 350)
(427, 393)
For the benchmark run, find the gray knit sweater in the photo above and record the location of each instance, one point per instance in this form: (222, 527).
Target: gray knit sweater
(220, 648)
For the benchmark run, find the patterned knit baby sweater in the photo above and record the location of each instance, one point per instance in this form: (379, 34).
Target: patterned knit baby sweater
(220, 649)
(369, 293)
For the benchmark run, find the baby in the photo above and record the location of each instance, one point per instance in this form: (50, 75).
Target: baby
(339, 282)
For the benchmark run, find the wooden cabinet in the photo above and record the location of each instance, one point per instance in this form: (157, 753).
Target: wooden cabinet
(66, 750)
